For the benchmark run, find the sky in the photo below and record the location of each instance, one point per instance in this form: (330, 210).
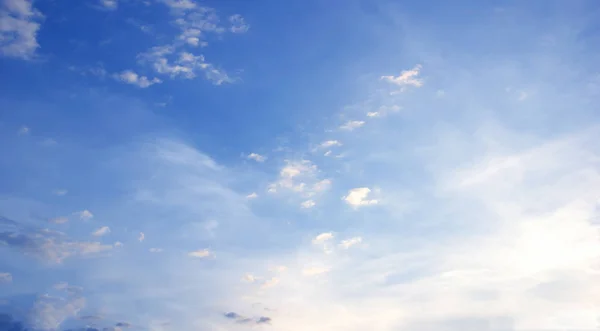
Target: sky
(296, 165)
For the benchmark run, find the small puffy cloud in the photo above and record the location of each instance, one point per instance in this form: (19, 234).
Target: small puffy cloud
(85, 215)
(313, 271)
(130, 77)
(155, 250)
(23, 131)
(351, 125)
(330, 143)
(322, 237)
(256, 157)
(294, 176)
(141, 236)
(101, 231)
(19, 25)
(5, 277)
(59, 220)
(238, 24)
(406, 78)
(358, 197)
(347, 243)
(308, 204)
(118, 244)
(201, 253)
(252, 195)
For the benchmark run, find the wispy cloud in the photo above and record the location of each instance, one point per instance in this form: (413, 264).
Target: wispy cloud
(109, 4)
(347, 243)
(238, 24)
(47, 245)
(5, 277)
(406, 78)
(101, 231)
(201, 253)
(351, 125)
(85, 215)
(322, 237)
(23, 131)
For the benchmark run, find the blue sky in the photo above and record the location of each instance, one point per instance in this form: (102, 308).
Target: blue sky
(299, 165)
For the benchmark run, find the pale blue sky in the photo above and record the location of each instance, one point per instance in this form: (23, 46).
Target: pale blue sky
(299, 165)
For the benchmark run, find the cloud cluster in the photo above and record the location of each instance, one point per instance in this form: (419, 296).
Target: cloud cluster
(47, 245)
(19, 25)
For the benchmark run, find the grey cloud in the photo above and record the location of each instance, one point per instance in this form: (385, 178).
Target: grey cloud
(263, 320)
(45, 244)
(246, 320)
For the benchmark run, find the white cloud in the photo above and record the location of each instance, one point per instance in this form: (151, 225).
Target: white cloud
(202, 253)
(141, 236)
(118, 244)
(5, 277)
(314, 271)
(325, 236)
(299, 177)
(238, 24)
(358, 197)
(101, 231)
(257, 157)
(347, 243)
(85, 215)
(180, 4)
(351, 125)
(109, 4)
(155, 250)
(19, 25)
(252, 195)
(406, 78)
(308, 204)
(130, 77)
(330, 143)
(166, 61)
